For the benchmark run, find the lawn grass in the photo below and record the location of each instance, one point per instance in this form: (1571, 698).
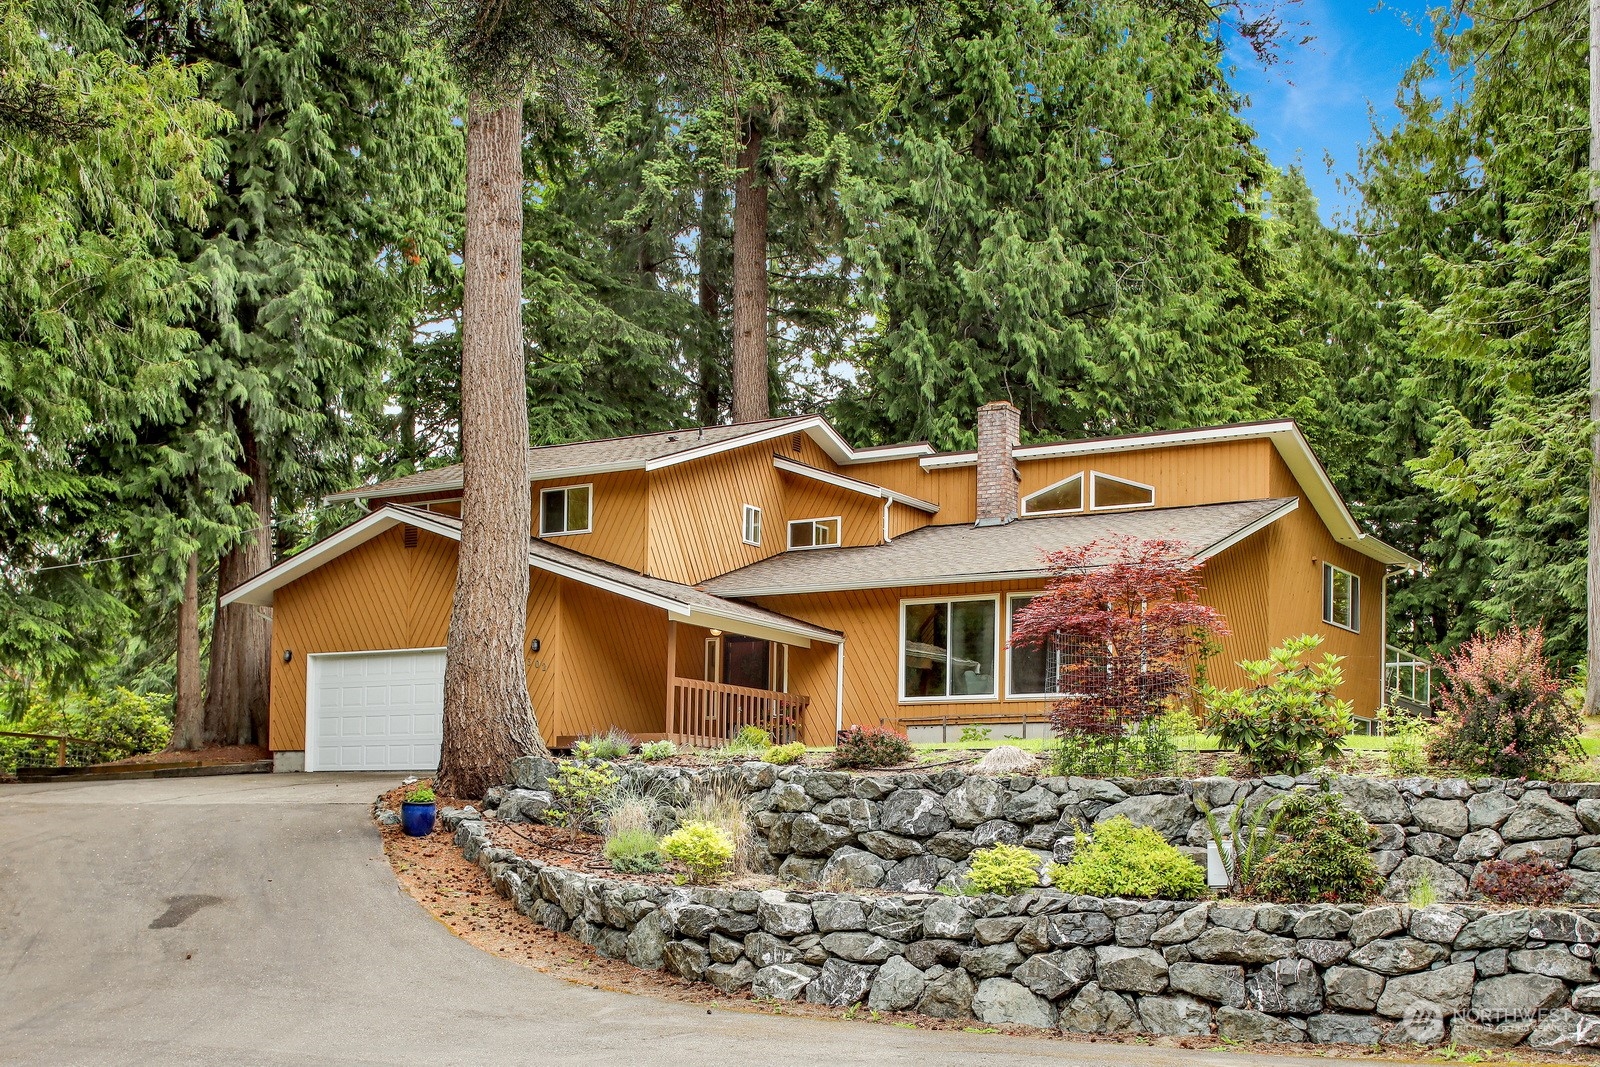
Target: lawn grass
(1196, 743)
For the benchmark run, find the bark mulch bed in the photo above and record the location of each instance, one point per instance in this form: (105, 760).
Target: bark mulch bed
(211, 754)
(459, 895)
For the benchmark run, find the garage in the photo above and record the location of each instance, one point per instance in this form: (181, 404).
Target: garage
(374, 711)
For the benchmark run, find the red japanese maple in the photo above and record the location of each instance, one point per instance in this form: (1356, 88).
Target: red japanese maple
(1126, 620)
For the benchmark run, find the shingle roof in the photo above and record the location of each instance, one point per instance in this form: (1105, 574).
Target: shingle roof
(579, 457)
(580, 567)
(937, 555)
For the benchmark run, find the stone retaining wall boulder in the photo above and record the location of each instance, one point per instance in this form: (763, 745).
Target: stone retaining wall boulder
(913, 832)
(1387, 974)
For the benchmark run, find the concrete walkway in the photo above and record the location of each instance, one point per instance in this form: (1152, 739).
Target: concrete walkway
(254, 920)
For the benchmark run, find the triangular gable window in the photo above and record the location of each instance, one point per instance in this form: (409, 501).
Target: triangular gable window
(1109, 494)
(1060, 498)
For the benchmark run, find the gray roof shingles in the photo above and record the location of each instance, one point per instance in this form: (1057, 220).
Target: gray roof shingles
(934, 555)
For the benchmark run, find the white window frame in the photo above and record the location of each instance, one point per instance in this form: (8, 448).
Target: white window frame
(562, 489)
(1329, 571)
(900, 654)
(712, 667)
(751, 521)
(837, 520)
(1094, 493)
(1082, 498)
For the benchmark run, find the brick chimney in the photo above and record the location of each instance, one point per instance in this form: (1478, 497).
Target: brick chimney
(999, 431)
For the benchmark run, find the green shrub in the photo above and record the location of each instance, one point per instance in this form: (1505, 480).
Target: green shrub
(1244, 842)
(972, 735)
(1325, 858)
(1124, 860)
(704, 849)
(1287, 719)
(785, 754)
(719, 800)
(1142, 750)
(613, 744)
(657, 750)
(580, 795)
(871, 747)
(1004, 869)
(1409, 736)
(421, 793)
(122, 723)
(1502, 709)
(635, 852)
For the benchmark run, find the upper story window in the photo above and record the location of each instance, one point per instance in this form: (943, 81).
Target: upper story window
(1110, 494)
(1341, 598)
(567, 510)
(948, 649)
(752, 525)
(814, 533)
(1058, 499)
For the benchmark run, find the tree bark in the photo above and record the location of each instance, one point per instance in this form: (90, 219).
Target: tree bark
(188, 711)
(708, 400)
(1591, 699)
(750, 378)
(241, 634)
(488, 717)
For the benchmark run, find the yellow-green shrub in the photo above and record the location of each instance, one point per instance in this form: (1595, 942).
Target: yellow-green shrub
(785, 754)
(1004, 869)
(1124, 860)
(706, 850)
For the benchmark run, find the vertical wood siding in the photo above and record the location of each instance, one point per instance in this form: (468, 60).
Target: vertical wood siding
(619, 519)
(613, 663)
(860, 516)
(696, 514)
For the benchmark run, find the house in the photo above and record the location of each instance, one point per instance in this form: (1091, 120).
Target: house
(685, 583)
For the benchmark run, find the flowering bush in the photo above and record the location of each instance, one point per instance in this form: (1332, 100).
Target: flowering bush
(871, 746)
(1287, 718)
(1535, 881)
(1502, 710)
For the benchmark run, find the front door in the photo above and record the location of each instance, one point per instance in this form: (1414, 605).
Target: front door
(747, 661)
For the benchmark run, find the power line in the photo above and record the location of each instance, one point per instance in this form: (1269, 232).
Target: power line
(87, 562)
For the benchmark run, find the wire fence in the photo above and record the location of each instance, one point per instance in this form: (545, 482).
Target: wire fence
(22, 751)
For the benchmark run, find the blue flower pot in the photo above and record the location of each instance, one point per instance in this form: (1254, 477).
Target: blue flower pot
(417, 819)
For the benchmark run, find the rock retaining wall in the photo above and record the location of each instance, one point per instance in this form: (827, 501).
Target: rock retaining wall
(914, 832)
(1364, 975)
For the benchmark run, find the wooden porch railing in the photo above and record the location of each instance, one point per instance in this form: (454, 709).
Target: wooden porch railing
(707, 714)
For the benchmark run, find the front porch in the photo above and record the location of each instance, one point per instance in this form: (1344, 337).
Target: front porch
(739, 680)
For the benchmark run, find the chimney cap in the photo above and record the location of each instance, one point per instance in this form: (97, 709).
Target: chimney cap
(999, 404)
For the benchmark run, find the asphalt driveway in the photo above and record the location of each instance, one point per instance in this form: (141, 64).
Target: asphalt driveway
(254, 920)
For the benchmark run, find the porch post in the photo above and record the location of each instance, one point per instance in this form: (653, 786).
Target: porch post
(672, 676)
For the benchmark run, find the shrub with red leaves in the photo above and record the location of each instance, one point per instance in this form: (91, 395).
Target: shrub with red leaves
(1502, 709)
(871, 747)
(1536, 881)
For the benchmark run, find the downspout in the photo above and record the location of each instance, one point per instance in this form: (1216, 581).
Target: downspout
(838, 700)
(887, 503)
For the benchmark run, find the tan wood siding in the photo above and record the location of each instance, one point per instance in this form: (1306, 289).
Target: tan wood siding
(696, 514)
(619, 518)
(903, 519)
(860, 516)
(613, 663)
(814, 672)
(1191, 474)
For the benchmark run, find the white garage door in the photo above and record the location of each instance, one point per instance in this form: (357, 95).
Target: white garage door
(375, 711)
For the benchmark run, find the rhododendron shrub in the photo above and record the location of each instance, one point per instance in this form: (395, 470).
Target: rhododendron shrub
(1124, 621)
(1502, 710)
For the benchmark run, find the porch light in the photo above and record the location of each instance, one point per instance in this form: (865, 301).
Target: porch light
(716, 633)
(288, 654)
(533, 646)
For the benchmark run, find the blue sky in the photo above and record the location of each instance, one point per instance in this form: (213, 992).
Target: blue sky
(1322, 98)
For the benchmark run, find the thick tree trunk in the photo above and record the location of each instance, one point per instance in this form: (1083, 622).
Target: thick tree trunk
(488, 717)
(1591, 701)
(708, 400)
(188, 708)
(750, 384)
(241, 634)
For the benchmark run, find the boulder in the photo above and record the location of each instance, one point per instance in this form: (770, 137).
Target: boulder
(834, 913)
(765, 950)
(918, 874)
(1170, 816)
(1335, 1029)
(947, 995)
(1400, 955)
(1438, 924)
(999, 1001)
(1447, 817)
(991, 961)
(1077, 928)
(647, 941)
(1498, 929)
(782, 981)
(789, 797)
(1175, 1016)
(1055, 974)
(954, 845)
(855, 867)
(1242, 1024)
(1034, 805)
(1414, 870)
(1556, 961)
(914, 813)
(923, 955)
(1488, 810)
(1482, 844)
(724, 949)
(1557, 850)
(861, 947)
(1212, 981)
(889, 846)
(783, 918)
(1466, 1032)
(896, 920)
(1287, 987)
(686, 959)
(1135, 931)
(1133, 970)
(531, 772)
(841, 983)
(1232, 946)
(1000, 928)
(1517, 996)
(1186, 927)
(1006, 759)
(1324, 953)
(1323, 922)
(1378, 801)
(1099, 1011)
(1587, 999)
(810, 836)
(1564, 1030)
(949, 917)
(731, 977)
(1352, 988)
(896, 986)
(1538, 816)
(996, 832)
(1588, 813)
(1447, 989)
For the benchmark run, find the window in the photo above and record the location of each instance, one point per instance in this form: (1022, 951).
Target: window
(1064, 496)
(564, 510)
(1341, 598)
(713, 659)
(1110, 494)
(814, 533)
(752, 525)
(948, 649)
(1040, 672)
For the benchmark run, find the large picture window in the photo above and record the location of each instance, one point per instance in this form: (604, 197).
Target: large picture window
(565, 510)
(1341, 598)
(1039, 672)
(948, 649)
